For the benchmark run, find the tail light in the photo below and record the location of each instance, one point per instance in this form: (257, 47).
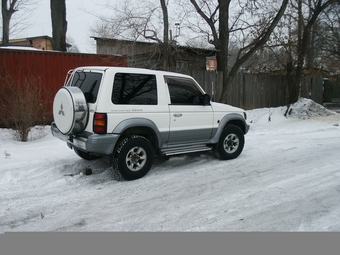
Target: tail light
(100, 123)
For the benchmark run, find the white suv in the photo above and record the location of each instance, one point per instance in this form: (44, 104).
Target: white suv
(129, 115)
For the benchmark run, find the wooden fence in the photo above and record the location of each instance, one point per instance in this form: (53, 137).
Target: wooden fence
(331, 89)
(250, 91)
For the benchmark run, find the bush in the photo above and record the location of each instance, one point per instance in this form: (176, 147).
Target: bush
(23, 104)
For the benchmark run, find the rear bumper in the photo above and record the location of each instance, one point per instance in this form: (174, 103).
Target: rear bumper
(56, 133)
(94, 143)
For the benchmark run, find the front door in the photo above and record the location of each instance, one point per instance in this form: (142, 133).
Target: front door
(190, 120)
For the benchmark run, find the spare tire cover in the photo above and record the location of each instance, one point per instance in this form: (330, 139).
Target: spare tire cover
(70, 111)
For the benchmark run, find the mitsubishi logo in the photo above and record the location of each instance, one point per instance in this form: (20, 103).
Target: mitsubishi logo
(61, 112)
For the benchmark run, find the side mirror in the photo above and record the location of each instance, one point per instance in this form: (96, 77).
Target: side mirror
(206, 99)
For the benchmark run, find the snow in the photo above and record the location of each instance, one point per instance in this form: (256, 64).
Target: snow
(19, 48)
(286, 179)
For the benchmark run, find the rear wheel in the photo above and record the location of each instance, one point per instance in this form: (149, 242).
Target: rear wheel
(133, 157)
(231, 143)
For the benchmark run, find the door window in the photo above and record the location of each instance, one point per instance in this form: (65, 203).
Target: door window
(184, 91)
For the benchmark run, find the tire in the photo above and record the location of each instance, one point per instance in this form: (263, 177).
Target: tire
(85, 155)
(133, 158)
(230, 144)
(70, 110)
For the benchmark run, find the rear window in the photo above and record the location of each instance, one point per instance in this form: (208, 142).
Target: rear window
(88, 82)
(130, 88)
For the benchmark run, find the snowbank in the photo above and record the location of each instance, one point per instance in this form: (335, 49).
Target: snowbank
(307, 108)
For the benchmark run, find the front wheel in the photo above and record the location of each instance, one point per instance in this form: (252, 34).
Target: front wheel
(133, 157)
(230, 144)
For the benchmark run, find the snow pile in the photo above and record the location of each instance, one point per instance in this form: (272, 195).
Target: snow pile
(306, 108)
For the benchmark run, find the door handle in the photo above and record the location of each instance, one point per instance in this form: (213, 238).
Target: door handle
(177, 114)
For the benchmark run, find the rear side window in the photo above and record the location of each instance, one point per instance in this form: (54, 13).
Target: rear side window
(131, 88)
(184, 91)
(88, 82)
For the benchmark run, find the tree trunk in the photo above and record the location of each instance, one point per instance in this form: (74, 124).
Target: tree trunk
(249, 51)
(222, 46)
(165, 47)
(5, 26)
(59, 24)
(7, 13)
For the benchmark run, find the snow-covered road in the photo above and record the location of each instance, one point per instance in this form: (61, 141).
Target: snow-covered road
(286, 179)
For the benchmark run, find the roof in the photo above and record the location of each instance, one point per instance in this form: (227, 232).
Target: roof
(30, 38)
(130, 69)
(18, 40)
(187, 48)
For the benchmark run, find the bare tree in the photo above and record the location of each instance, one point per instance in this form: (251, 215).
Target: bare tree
(8, 9)
(223, 26)
(147, 22)
(328, 39)
(7, 12)
(305, 29)
(59, 24)
(73, 47)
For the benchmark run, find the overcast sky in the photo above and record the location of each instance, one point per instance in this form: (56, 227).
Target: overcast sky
(80, 17)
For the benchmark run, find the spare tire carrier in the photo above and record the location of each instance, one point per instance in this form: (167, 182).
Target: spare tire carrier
(70, 110)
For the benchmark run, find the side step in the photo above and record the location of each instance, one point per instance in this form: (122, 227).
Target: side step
(184, 149)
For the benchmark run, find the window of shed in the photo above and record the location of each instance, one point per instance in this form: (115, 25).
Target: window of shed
(182, 66)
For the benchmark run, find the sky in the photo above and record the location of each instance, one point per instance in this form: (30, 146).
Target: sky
(286, 180)
(80, 17)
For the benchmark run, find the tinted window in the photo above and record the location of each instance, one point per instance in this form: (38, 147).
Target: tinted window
(134, 89)
(184, 91)
(88, 82)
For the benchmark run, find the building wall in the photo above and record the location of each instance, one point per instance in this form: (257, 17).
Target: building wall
(148, 55)
(41, 43)
(112, 47)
